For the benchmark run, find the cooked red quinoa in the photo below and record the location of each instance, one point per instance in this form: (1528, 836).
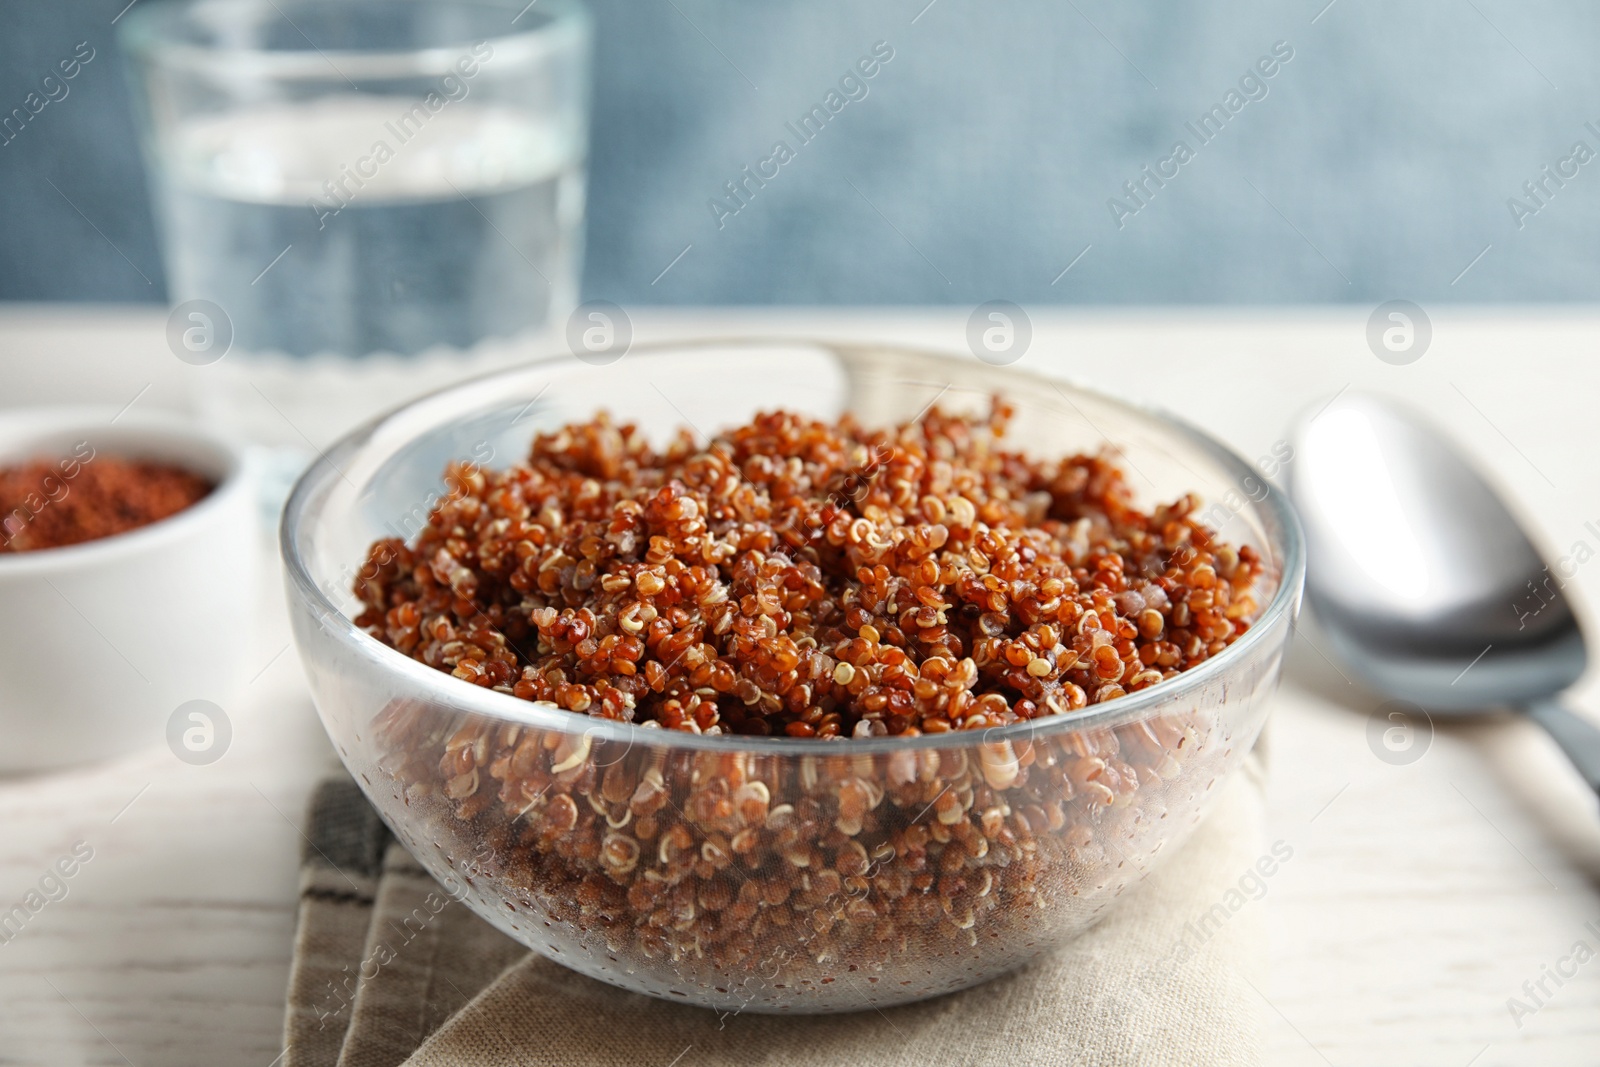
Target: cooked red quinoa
(49, 503)
(799, 578)
(807, 579)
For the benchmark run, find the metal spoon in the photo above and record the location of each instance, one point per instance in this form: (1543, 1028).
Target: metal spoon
(1424, 582)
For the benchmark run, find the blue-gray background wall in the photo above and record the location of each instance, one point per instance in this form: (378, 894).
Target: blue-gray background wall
(1378, 166)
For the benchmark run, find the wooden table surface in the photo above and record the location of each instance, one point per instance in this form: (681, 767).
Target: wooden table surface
(1420, 897)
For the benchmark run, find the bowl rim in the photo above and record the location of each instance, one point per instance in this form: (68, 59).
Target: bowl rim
(165, 427)
(1282, 530)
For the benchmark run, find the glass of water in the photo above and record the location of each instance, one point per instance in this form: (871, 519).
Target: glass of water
(362, 184)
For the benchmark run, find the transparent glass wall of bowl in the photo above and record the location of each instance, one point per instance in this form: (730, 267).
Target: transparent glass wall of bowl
(772, 875)
(372, 178)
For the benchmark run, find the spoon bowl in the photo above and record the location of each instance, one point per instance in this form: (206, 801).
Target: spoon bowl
(1423, 580)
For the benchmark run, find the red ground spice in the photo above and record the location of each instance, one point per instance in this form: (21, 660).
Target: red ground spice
(50, 503)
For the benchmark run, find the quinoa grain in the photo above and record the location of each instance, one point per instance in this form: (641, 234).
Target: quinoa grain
(800, 579)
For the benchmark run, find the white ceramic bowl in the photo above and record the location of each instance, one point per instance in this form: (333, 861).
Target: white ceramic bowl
(102, 641)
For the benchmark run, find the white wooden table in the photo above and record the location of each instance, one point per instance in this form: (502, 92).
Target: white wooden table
(1419, 897)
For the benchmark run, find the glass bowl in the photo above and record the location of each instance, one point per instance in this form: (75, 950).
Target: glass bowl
(773, 874)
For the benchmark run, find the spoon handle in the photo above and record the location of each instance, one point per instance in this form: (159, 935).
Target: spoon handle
(1578, 737)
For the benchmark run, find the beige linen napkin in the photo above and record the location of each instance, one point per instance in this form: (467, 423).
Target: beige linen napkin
(1165, 978)
(338, 881)
(429, 955)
